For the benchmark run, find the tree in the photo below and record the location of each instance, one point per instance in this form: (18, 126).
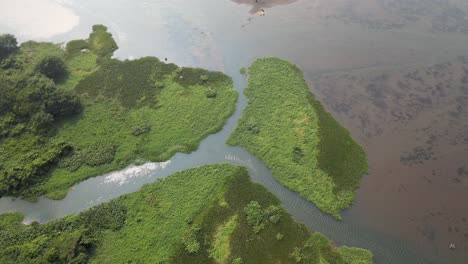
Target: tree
(8, 45)
(56, 102)
(101, 42)
(51, 66)
(41, 120)
(61, 103)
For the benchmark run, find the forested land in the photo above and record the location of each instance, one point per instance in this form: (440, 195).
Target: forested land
(69, 112)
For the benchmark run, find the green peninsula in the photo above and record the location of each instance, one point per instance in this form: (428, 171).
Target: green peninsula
(209, 214)
(307, 150)
(70, 112)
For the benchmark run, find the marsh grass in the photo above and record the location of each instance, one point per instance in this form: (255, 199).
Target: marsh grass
(131, 82)
(288, 129)
(251, 247)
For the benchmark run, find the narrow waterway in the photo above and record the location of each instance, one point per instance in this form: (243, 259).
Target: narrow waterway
(224, 35)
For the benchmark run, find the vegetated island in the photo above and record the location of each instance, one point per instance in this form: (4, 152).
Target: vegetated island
(209, 214)
(67, 114)
(307, 150)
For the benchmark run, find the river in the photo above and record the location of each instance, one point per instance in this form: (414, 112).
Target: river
(225, 35)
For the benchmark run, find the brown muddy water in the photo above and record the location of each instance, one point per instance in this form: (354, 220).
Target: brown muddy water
(391, 71)
(414, 126)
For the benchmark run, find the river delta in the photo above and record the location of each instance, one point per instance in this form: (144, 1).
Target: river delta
(389, 71)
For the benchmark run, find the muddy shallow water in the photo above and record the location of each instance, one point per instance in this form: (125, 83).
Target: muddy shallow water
(387, 69)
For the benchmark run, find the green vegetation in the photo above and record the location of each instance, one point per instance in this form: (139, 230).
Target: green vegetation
(67, 115)
(221, 245)
(51, 67)
(256, 216)
(101, 42)
(194, 216)
(68, 240)
(288, 129)
(30, 106)
(76, 46)
(8, 45)
(354, 255)
(243, 70)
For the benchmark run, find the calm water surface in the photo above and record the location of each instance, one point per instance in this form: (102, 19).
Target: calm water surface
(322, 39)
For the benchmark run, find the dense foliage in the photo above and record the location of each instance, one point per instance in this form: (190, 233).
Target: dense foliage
(130, 82)
(76, 46)
(69, 240)
(52, 67)
(101, 42)
(201, 215)
(287, 128)
(30, 107)
(8, 45)
(67, 115)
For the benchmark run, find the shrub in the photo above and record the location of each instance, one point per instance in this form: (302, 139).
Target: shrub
(101, 42)
(273, 213)
(110, 215)
(92, 155)
(297, 154)
(140, 128)
(255, 215)
(279, 236)
(252, 128)
(99, 153)
(189, 239)
(51, 66)
(188, 220)
(296, 255)
(62, 103)
(243, 70)
(41, 120)
(204, 78)
(190, 76)
(237, 261)
(76, 46)
(210, 93)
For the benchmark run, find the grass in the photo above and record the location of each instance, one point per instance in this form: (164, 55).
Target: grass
(354, 255)
(221, 245)
(204, 205)
(9, 219)
(78, 68)
(157, 215)
(132, 111)
(31, 52)
(288, 129)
